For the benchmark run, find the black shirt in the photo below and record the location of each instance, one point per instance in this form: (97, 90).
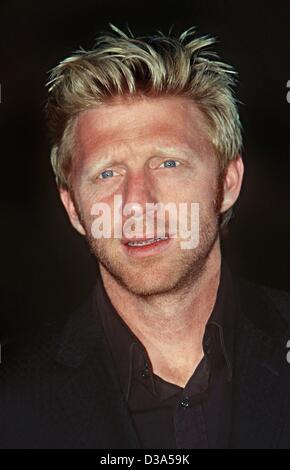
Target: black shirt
(165, 415)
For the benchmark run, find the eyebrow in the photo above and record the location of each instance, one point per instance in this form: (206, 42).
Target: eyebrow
(174, 150)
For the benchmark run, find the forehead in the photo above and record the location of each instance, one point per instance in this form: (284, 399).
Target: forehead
(140, 123)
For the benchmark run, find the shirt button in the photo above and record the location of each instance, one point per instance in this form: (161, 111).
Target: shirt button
(184, 403)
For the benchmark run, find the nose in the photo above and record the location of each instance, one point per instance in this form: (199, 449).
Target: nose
(138, 191)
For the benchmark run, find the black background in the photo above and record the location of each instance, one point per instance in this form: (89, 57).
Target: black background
(46, 268)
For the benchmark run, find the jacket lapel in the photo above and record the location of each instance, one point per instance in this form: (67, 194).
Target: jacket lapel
(91, 398)
(261, 385)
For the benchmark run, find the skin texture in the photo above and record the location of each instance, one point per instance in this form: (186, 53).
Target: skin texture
(166, 298)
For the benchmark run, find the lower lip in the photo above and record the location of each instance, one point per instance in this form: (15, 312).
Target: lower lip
(146, 250)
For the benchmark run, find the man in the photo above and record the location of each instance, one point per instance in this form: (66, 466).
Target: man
(171, 350)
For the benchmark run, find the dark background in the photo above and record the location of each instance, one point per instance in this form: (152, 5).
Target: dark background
(46, 268)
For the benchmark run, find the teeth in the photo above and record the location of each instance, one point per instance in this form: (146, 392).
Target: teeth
(147, 242)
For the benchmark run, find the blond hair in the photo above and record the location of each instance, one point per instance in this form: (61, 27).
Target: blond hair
(123, 65)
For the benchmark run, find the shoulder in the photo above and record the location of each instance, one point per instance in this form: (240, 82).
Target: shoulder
(31, 350)
(279, 298)
(268, 308)
(51, 347)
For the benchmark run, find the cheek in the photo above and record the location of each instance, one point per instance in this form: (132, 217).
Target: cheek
(88, 201)
(85, 200)
(89, 193)
(208, 187)
(195, 184)
(202, 190)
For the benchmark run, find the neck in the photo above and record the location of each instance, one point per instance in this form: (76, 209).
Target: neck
(171, 327)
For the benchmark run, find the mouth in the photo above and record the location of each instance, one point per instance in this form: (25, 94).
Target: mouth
(146, 242)
(141, 247)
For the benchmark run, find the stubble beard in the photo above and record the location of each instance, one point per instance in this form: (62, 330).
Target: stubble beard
(171, 270)
(160, 275)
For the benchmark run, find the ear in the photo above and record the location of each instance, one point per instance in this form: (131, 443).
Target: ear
(232, 183)
(71, 210)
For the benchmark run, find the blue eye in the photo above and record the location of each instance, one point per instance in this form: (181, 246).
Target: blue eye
(170, 163)
(106, 174)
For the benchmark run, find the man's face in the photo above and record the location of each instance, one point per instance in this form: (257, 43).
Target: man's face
(154, 150)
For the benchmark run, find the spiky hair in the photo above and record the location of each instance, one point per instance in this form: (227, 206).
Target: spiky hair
(121, 65)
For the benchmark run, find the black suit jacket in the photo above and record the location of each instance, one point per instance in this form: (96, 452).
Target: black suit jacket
(60, 389)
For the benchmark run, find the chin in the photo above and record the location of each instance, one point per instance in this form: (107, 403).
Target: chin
(149, 288)
(144, 283)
